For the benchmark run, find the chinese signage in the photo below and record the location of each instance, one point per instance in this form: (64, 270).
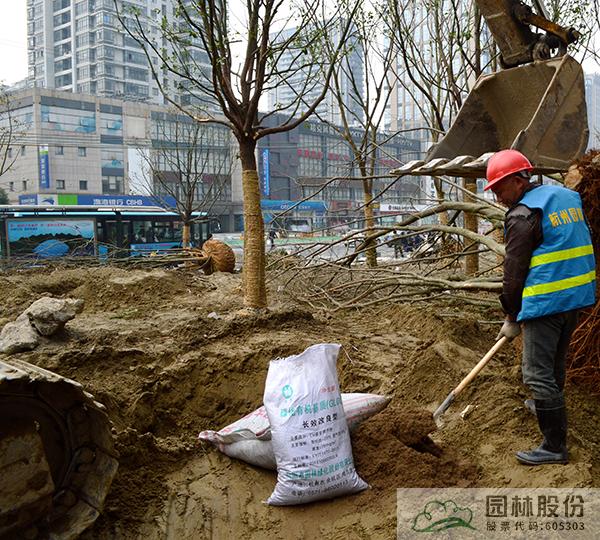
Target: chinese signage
(305, 206)
(388, 207)
(266, 180)
(44, 166)
(95, 200)
(498, 513)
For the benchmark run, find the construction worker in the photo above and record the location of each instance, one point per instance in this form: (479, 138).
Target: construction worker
(549, 274)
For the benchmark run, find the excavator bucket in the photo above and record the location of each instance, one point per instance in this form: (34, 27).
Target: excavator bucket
(538, 109)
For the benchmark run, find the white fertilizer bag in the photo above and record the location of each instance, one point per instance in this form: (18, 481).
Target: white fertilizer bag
(309, 433)
(249, 438)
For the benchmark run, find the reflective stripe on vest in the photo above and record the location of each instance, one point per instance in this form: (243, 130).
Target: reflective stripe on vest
(560, 285)
(561, 255)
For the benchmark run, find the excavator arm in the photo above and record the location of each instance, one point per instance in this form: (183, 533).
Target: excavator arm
(510, 24)
(535, 105)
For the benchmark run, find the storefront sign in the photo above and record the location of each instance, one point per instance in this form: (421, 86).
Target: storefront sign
(305, 206)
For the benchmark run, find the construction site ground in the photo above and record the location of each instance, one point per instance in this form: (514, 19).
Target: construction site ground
(173, 352)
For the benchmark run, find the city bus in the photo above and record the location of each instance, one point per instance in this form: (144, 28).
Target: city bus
(43, 232)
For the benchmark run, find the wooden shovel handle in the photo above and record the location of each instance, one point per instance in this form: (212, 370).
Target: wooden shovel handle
(480, 365)
(472, 374)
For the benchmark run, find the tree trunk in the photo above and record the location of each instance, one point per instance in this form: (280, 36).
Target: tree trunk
(185, 235)
(441, 196)
(471, 224)
(371, 251)
(255, 293)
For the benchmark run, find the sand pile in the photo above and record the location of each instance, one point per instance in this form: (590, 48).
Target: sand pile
(171, 353)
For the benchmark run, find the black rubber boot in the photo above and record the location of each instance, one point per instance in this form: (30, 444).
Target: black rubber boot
(552, 419)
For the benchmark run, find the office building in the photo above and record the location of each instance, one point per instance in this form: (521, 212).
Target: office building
(301, 163)
(435, 52)
(70, 147)
(80, 149)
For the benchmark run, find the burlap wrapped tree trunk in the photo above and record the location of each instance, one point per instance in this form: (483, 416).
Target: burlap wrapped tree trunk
(255, 293)
(185, 235)
(371, 251)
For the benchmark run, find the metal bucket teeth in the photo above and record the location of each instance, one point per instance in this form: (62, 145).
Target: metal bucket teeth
(408, 167)
(462, 166)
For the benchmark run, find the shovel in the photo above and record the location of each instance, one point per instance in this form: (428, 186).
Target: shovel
(472, 374)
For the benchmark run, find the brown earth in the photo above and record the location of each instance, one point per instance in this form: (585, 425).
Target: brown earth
(173, 352)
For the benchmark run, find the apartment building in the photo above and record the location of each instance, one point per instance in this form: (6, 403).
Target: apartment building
(592, 97)
(81, 46)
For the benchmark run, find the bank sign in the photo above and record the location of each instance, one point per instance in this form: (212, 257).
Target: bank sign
(64, 199)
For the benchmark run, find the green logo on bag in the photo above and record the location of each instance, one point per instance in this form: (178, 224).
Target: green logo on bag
(287, 391)
(438, 516)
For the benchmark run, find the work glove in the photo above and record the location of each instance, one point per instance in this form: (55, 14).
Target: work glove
(509, 329)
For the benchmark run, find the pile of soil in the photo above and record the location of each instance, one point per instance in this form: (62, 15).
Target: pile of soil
(394, 449)
(173, 352)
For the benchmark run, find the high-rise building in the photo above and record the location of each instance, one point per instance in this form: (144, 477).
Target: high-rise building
(439, 69)
(82, 47)
(297, 78)
(592, 98)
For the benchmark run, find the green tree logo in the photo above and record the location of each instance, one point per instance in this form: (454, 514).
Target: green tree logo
(287, 391)
(439, 516)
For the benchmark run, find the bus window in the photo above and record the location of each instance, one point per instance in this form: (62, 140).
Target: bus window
(163, 231)
(199, 233)
(142, 232)
(177, 231)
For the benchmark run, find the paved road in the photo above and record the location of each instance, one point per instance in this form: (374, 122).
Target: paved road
(304, 246)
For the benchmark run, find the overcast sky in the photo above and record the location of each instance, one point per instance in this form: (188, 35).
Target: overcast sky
(13, 41)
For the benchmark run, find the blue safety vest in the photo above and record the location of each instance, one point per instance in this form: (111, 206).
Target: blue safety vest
(562, 271)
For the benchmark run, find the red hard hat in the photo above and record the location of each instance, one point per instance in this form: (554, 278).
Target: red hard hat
(505, 163)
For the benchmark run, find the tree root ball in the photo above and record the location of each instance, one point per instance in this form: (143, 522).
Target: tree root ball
(222, 258)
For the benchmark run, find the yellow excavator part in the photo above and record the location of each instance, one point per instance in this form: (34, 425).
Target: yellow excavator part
(538, 109)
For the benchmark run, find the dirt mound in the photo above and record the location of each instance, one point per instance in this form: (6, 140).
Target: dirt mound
(458, 326)
(173, 352)
(110, 289)
(394, 449)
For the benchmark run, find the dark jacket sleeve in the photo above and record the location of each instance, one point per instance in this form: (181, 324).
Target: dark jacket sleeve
(523, 234)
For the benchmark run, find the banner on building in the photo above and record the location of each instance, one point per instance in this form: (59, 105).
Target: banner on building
(66, 199)
(266, 179)
(44, 166)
